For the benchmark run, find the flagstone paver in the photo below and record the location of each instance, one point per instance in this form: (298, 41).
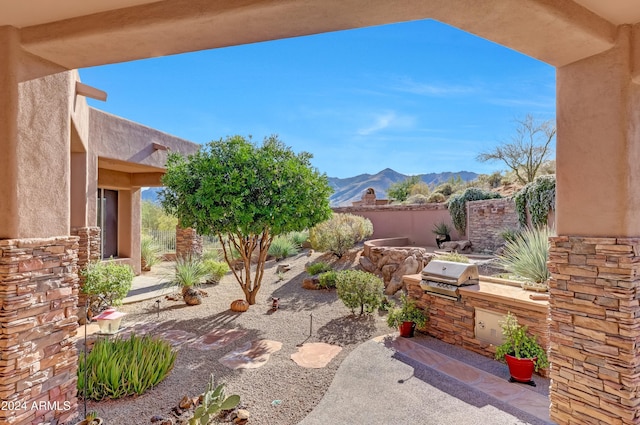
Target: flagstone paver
(217, 338)
(315, 355)
(251, 355)
(176, 337)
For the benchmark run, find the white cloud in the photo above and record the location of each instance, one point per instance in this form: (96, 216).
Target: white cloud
(387, 120)
(408, 85)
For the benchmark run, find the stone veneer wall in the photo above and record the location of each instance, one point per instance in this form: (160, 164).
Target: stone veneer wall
(38, 360)
(454, 321)
(188, 243)
(595, 330)
(486, 219)
(88, 250)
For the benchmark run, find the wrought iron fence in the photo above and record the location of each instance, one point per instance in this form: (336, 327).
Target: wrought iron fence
(165, 240)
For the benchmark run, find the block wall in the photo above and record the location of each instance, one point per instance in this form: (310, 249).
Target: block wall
(38, 318)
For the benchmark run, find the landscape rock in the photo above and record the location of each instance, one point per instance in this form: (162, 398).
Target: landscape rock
(192, 297)
(367, 265)
(459, 246)
(311, 283)
(283, 268)
(243, 414)
(387, 271)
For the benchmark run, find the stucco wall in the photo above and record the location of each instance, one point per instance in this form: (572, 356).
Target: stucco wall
(414, 222)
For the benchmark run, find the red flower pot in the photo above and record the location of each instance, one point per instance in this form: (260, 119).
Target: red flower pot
(521, 370)
(406, 329)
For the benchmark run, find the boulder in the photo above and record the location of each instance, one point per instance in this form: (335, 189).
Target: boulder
(283, 268)
(311, 282)
(192, 297)
(387, 272)
(367, 264)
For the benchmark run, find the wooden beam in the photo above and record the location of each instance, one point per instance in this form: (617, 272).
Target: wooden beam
(92, 92)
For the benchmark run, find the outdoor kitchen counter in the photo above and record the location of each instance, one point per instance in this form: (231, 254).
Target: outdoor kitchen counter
(493, 289)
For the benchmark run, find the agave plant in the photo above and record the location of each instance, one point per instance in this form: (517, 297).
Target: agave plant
(149, 253)
(526, 255)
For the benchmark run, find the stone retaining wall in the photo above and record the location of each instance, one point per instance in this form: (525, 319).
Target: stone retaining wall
(392, 263)
(486, 219)
(595, 330)
(89, 242)
(38, 360)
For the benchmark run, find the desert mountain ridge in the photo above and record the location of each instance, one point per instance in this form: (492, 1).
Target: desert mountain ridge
(350, 189)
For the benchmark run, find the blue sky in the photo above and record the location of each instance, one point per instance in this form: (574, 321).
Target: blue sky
(417, 97)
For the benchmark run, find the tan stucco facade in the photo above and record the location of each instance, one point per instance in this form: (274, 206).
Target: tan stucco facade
(595, 260)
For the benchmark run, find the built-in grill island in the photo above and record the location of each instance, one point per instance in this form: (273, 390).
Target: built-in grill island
(443, 278)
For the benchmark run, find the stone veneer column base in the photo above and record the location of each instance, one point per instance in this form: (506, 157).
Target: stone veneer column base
(188, 243)
(595, 330)
(38, 360)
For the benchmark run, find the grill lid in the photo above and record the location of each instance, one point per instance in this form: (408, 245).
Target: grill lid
(457, 274)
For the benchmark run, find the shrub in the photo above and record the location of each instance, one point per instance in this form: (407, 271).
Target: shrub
(455, 257)
(149, 252)
(118, 368)
(408, 312)
(214, 254)
(106, 284)
(536, 198)
(417, 199)
(445, 189)
(340, 233)
(318, 267)
(327, 279)
(282, 247)
(458, 209)
(436, 197)
(359, 289)
(299, 238)
(510, 234)
(215, 270)
(526, 256)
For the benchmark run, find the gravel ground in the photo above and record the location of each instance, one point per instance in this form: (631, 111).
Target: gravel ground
(298, 389)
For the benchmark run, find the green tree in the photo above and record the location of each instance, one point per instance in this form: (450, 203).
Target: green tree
(400, 191)
(246, 195)
(153, 217)
(528, 149)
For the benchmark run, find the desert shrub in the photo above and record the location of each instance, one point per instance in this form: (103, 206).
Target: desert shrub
(123, 367)
(299, 238)
(319, 267)
(419, 188)
(189, 272)
(418, 199)
(510, 234)
(282, 247)
(340, 233)
(327, 279)
(526, 256)
(106, 284)
(457, 205)
(359, 289)
(149, 252)
(455, 257)
(213, 254)
(436, 197)
(445, 188)
(215, 270)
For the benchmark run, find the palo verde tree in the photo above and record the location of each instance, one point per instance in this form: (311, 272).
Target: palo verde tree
(528, 149)
(246, 195)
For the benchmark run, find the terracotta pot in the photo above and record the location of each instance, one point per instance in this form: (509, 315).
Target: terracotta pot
(521, 370)
(239, 306)
(406, 329)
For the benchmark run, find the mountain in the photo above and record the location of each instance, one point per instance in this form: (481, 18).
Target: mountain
(350, 189)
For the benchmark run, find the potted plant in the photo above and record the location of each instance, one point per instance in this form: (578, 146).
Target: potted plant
(406, 317)
(520, 351)
(442, 232)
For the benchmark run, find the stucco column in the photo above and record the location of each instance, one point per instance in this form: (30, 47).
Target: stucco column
(595, 260)
(9, 63)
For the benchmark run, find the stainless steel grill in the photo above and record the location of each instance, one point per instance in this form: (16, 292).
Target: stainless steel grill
(443, 278)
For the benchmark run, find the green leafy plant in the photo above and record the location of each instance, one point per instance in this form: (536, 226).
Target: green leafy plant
(213, 401)
(400, 191)
(122, 367)
(319, 267)
(518, 343)
(106, 284)
(407, 312)
(458, 209)
(536, 199)
(359, 289)
(455, 257)
(340, 233)
(149, 252)
(327, 280)
(283, 247)
(526, 256)
(299, 238)
(213, 253)
(246, 194)
(510, 234)
(215, 270)
(189, 272)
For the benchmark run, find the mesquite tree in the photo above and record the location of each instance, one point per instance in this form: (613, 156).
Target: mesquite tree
(246, 195)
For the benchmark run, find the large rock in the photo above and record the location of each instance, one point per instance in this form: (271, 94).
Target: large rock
(311, 282)
(411, 265)
(366, 264)
(460, 246)
(387, 272)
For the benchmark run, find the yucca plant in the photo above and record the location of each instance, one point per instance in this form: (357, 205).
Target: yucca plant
(149, 253)
(282, 247)
(122, 367)
(189, 272)
(526, 255)
(299, 238)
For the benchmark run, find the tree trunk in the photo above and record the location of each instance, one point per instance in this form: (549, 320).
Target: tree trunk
(251, 297)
